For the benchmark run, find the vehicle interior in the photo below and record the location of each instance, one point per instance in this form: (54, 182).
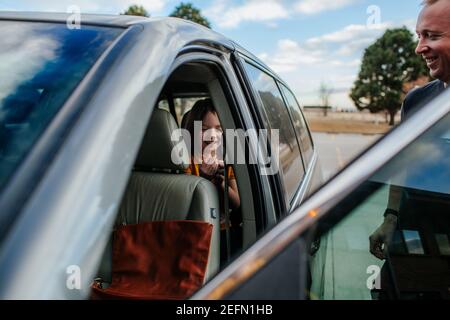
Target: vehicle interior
(199, 80)
(159, 190)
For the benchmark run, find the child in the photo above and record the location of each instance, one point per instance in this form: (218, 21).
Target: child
(209, 164)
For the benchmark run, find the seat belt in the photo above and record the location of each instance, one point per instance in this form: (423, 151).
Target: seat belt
(172, 107)
(226, 202)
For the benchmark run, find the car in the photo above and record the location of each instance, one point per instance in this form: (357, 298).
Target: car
(96, 158)
(89, 120)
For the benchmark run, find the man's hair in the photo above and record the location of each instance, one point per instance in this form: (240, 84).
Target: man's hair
(429, 2)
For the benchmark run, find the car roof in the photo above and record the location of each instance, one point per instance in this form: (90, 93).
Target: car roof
(97, 19)
(124, 21)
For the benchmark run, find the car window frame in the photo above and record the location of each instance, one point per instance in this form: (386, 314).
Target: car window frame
(276, 184)
(287, 204)
(282, 87)
(305, 185)
(312, 164)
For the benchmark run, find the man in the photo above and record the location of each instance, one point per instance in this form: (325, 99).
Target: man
(433, 30)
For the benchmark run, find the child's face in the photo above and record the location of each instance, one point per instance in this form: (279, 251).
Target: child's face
(211, 130)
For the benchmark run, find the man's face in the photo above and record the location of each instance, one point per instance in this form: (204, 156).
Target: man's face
(433, 29)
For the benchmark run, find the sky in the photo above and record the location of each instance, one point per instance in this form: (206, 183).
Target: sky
(307, 42)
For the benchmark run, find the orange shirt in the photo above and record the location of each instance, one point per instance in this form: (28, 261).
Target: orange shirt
(194, 169)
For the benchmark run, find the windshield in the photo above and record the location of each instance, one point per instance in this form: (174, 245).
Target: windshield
(40, 65)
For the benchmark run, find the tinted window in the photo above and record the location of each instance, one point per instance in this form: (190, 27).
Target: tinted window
(40, 65)
(299, 124)
(367, 256)
(276, 117)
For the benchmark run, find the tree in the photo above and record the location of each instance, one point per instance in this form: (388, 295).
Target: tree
(386, 66)
(136, 10)
(188, 12)
(324, 93)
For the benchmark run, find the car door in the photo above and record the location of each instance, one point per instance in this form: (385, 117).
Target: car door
(58, 210)
(323, 250)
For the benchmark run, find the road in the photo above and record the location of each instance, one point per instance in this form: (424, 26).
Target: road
(343, 263)
(336, 150)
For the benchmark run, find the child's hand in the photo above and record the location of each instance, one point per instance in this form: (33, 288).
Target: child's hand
(208, 170)
(219, 180)
(209, 167)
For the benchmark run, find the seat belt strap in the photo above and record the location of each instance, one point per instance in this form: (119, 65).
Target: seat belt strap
(226, 204)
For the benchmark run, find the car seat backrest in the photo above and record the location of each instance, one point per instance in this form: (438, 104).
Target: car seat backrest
(158, 190)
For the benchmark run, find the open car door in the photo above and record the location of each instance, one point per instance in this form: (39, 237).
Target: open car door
(324, 251)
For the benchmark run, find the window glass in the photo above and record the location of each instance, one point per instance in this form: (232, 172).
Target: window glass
(368, 256)
(300, 125)
(184, 105)
(40, 65)
(276, 117)
(443, 241)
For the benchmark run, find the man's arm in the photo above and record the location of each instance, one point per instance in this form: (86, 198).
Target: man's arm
(381, 238)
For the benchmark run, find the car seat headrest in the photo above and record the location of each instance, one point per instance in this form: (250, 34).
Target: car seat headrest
(157, 148)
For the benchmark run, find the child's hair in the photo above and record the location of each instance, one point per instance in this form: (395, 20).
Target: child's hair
(197, 113)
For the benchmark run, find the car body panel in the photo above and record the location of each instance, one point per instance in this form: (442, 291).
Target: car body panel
(86, 196)
(67, 215)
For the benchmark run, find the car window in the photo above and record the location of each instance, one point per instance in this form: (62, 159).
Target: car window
(40, 65)
(300, 126)
(405, 255)
(182, 106)
(276, 117)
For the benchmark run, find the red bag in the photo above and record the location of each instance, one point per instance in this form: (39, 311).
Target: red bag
(158, 260)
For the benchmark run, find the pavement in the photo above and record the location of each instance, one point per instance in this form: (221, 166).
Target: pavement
(343, 267)
(336, 150)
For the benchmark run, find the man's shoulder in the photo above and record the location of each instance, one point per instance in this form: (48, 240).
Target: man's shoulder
(425, 90)
(420, 96)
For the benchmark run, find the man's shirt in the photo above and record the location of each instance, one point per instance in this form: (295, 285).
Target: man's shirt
(417, 98)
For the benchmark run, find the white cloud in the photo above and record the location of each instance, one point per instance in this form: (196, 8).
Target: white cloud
(304, 66)
(227, 16)
(338, 58)
(272, 25)
(351, 64)
(351, 32)
(27, 51)
(333, 58)
(355, 46)
(316, 6)
(352, 39)
(289, 55)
